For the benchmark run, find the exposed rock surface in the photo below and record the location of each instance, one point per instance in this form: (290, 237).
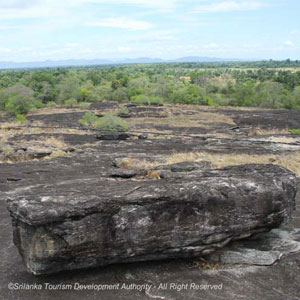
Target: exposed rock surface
(123, 173)
(92, 161)
(262, 249)
(95, 222)
(113, 136)
(185, 166)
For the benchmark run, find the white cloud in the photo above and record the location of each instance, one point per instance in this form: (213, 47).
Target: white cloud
(211, 46)
(71, 45)
(165, 4)
(122, 22)
(227, 6)
(124, 49)
(289, 43)
(295, 31)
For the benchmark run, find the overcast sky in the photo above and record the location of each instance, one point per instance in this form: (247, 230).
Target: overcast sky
(32, 30)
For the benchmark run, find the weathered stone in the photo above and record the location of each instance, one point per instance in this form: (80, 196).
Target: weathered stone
(103, 221)
(122, 173)
(143, 136)
(113, 136)
(124, 115)
(131, 105)
(247, 256)
(190, 166)
(262, 249)
(186, 166)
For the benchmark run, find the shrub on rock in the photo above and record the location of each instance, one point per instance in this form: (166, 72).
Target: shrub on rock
(111, 123)
(108, 122)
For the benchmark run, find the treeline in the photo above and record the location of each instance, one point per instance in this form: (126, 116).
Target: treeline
(22, 91)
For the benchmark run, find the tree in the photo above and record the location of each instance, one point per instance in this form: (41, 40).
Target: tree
(68, 88)
(17, 99)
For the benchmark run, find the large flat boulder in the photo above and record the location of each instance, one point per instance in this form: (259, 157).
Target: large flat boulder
(98, 221)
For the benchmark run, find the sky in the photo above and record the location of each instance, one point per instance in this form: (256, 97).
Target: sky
(35, 30)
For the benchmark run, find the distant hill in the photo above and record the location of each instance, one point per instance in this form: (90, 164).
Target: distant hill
(91, 62)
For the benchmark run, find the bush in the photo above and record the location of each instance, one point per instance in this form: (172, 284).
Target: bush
(70, 102)
(38, 104)
(111, 123)
(15, 106)
(84, 105)
(147, 100)
(88, 119)
(140, 99)
(21, 119)
(122, 110)
(17, 99)
(108, 122)
(51, 104)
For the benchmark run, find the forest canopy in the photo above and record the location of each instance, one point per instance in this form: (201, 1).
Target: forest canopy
(268, 84)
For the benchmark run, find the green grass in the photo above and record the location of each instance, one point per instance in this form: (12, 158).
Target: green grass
(295, 131)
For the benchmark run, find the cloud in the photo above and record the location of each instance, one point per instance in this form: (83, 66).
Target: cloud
(122, 23)
(124, 49)
(295, 31)
(211, 46)
(166, 4)
(289, 43)
(228, 6)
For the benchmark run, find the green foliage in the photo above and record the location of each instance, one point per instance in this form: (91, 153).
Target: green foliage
(259, 84)
(84, 105)
(111, 123)
(88, 119)
(21, 119)
(295, 131)
(51, 104)
(17, 99)
(108, 122)
(147, 100)
(123, 110)
(120, 95)
(38, 104)
(70, 102)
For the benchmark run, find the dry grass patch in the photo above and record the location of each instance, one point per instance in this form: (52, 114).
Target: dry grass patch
(284, 139)
(11, 132)
(172, 122)
(55, 146)
(188, 117)
(289, 161)
(57, 110)
(205, 116)
(46, 143)
(53, 142)
(259, 131)
(132, 163)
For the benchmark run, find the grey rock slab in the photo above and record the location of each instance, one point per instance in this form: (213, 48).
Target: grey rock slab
(113, 136)
(246, 256)
(98, 221)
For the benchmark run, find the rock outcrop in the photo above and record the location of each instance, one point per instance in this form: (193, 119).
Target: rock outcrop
(100, 221)
(108, 136)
